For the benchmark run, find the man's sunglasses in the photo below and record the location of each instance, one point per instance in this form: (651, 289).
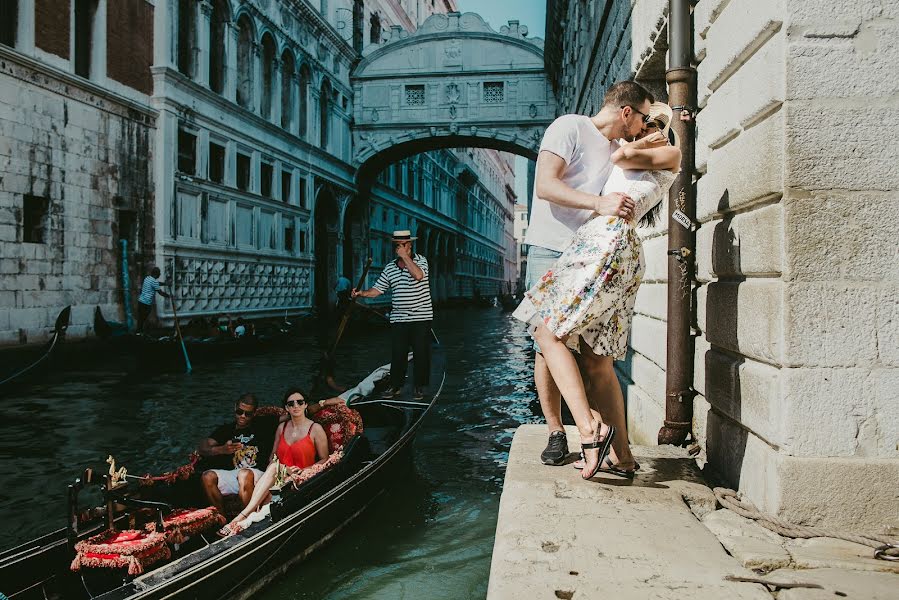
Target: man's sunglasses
(295, 403)
(643, 116)
(241, 412)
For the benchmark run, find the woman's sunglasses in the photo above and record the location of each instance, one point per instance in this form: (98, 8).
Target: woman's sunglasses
(295, 403)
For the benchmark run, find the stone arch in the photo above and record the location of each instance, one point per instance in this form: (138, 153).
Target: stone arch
(268, 48)
(288, 79)
(219, 21)
(460, 84)
(324, 102)
(246, 43)
(326, 217)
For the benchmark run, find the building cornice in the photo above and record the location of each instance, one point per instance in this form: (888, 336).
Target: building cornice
(73, 80)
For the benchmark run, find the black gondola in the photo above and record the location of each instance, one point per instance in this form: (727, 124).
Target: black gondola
(236, 566)
(57, 336)
(164, 351)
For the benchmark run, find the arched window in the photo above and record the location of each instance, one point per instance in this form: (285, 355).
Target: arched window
(245, 62)
(187, 36)
(268, 72)
(218, 28)
(325, 113)
(288, 71)
(303, 103)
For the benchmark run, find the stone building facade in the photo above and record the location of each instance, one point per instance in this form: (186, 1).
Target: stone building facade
(796, 368)
(213, 137)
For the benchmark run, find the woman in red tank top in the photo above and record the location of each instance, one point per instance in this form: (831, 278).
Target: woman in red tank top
(301, 443)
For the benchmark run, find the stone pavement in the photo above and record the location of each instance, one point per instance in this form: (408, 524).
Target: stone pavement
(559, 537)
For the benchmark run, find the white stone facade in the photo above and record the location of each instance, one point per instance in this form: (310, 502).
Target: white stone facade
(215, 137)
(795, 354)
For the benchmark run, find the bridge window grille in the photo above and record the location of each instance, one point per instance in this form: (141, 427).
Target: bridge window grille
(415, 95)
(493, 92)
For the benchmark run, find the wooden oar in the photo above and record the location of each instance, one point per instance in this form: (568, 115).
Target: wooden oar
(180, 337)
(349, 309)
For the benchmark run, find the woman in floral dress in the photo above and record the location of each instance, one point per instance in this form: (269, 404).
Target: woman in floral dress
(588, 295)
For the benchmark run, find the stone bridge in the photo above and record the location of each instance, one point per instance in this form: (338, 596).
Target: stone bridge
(454, 82)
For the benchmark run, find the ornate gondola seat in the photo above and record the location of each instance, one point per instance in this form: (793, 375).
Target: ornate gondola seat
(185, 522)
(133, 549)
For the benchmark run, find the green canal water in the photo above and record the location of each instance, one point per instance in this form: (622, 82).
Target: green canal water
(430, 537)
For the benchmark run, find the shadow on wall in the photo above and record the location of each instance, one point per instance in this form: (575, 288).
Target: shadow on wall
(725, 437)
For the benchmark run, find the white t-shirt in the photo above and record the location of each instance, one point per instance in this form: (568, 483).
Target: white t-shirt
(588, 154)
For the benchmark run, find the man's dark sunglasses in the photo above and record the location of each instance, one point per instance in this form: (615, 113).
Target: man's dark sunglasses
(645, 118)
(241, 412)
(295, 403)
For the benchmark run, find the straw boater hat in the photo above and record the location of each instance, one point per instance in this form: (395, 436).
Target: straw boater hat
(661, 112)
(403, 235)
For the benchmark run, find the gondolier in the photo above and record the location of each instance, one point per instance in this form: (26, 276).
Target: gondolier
(411, 313)
(148, 297)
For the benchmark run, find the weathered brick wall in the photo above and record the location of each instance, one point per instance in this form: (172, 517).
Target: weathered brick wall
(129, 39)
(88, 156)
(52, 26)
(795, 359)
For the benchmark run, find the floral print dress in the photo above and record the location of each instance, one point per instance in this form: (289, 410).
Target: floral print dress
(590, 292)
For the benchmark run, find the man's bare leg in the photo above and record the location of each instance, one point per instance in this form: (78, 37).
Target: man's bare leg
(604, 395)
(211, 487)
(246, 481)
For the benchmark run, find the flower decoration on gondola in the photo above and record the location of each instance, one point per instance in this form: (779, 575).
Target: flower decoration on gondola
(131, 548)
(185, 522)
(341, 424)
(180, 474)
(270, 411)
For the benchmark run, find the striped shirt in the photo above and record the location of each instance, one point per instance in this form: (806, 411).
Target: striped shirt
(148, 291)
(411, 299)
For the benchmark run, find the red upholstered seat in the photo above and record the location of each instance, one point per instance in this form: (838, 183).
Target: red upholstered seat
(184, 522)
(130, 548)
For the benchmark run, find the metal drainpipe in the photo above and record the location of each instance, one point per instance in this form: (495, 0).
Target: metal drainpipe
(681, 79)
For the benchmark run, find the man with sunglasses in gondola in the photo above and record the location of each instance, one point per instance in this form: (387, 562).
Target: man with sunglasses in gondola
(234, 452)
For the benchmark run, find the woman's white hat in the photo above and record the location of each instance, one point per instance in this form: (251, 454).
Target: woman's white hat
(661, 112)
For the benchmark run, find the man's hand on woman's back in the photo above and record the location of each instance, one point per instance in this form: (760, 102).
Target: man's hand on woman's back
(615, 204)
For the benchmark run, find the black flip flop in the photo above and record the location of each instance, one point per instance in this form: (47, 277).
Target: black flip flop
(604, 447)
(608, 467)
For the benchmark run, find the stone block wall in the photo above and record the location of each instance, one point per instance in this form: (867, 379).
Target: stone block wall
(795, 360)
(87, 154)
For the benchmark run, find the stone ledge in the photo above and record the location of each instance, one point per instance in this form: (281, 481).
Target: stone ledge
(558, 536)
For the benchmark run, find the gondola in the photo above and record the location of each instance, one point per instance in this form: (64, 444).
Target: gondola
(164, 351)
(203, 566)
(57, 336)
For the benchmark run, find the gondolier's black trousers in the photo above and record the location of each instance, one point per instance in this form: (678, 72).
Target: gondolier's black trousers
(143, 313)
(416, 334)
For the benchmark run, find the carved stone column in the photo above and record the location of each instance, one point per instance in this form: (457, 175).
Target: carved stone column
(256, 83)
(231, 34)
(165, 30)
(204, 21)
(275, 96)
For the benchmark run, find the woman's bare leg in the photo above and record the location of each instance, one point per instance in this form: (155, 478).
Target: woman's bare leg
(604, 394)
(564, 369)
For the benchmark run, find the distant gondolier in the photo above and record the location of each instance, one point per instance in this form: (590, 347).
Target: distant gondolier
(411, 313)
(147, 299)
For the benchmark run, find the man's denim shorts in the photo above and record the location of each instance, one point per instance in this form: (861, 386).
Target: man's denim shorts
(539, 262)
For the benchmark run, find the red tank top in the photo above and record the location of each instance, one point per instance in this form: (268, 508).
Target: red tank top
(301, 453)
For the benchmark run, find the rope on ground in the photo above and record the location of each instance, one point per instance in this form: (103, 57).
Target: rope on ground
(885, 548)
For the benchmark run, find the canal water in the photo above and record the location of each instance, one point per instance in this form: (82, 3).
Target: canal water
(430, 537)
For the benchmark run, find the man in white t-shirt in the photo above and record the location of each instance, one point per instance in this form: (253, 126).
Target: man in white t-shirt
(572, 167)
